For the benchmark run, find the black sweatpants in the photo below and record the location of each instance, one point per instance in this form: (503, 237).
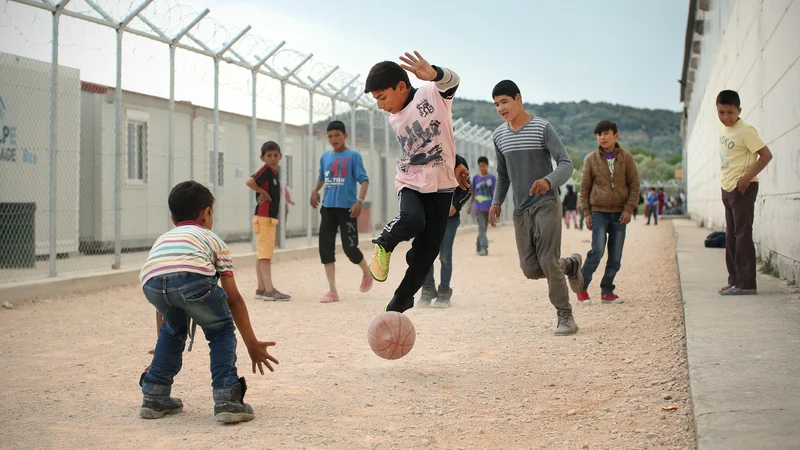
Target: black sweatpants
(333, 220)
(422, 217)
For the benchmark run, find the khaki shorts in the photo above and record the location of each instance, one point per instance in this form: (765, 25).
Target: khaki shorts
(264, 228)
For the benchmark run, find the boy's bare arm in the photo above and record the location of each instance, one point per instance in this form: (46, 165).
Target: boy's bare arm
(764, 157)
(251, 183)
(362, 192)
(315, 194)
(257, 349)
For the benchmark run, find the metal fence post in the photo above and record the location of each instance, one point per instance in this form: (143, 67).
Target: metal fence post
(308, 171)
(353, 126)
(54, 142)
(117, 157)
(384, 179)
(214, 167)
(253, 145)
(282, 173)
(372, 165)
(170, 125)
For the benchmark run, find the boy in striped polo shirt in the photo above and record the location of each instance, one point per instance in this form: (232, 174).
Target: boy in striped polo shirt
(525, 146)
(180, 279)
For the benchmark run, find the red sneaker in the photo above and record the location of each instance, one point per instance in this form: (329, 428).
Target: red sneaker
(583, 298)
(610, 299)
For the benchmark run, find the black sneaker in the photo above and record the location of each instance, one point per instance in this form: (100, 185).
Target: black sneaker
(157, 403)
(229, 405)
(427, 294)
(443, 298)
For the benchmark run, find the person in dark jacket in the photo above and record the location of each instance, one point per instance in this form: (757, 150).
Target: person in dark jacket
(443, 294)
(571, 207)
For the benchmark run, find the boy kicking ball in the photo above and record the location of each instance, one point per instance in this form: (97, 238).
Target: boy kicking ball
(427, 173)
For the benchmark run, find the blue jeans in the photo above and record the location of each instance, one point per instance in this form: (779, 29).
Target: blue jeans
(605, 225)
(446, 254)
(178, 297)
(483, 224)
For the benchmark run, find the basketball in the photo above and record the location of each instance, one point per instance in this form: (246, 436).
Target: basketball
(391, 335)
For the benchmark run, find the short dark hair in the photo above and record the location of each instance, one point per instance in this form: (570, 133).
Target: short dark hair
(605, 125)
(484, 160)
(652, 189)
(385, 75)
(729, 97)
(505, 87)
(337, 125)
(188, 199)
(270, 145)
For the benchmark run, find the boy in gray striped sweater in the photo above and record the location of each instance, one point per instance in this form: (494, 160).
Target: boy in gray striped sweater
(525, 145)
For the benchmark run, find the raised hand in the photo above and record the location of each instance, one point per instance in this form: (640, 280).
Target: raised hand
(417, 65)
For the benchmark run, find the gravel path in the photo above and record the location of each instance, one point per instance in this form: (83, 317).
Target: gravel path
(485, 373)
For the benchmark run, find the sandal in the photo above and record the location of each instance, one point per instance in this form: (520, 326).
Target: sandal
(739, 291)
(725, 288)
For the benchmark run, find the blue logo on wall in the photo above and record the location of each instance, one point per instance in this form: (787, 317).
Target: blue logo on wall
(9, 152)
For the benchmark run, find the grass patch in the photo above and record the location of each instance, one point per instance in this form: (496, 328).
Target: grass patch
(767, 267)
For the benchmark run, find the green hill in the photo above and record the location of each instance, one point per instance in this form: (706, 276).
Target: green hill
(654, 130)
(649, 131)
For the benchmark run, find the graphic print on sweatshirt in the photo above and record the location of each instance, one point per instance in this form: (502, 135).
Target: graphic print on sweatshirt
(416, 143)
(424, 130)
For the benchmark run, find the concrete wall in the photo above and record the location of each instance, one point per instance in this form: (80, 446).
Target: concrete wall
(25, 149)
(752, 47)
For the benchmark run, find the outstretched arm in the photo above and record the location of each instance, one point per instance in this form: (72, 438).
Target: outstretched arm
(446, 80)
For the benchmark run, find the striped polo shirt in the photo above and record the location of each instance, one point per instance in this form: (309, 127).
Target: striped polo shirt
(527, 155)
(189, 247)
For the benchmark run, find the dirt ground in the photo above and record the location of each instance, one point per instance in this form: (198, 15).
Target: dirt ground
(486, 373)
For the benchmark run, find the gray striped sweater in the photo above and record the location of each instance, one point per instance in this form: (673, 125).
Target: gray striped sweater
(523, 157)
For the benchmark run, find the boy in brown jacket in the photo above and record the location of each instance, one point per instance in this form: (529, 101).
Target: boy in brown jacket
(609, 193)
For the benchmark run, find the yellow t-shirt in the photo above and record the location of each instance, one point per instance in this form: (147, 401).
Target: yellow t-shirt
(738, 147)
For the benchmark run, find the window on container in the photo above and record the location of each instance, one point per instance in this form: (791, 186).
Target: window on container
(213, 173)
(288, 168)
(137, 151)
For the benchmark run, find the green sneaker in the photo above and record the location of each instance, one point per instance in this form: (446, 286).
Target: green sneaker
(379, 267)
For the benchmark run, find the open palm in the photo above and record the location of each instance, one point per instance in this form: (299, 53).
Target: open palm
(417, 65)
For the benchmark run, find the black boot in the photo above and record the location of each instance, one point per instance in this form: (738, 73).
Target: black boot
(229, 405)
(156, 402)
(443, 298)
(427, 295)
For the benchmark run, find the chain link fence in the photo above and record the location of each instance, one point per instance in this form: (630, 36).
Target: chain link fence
(105, 105)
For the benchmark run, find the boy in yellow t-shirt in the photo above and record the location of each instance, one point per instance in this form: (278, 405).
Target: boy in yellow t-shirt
(743, 155)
